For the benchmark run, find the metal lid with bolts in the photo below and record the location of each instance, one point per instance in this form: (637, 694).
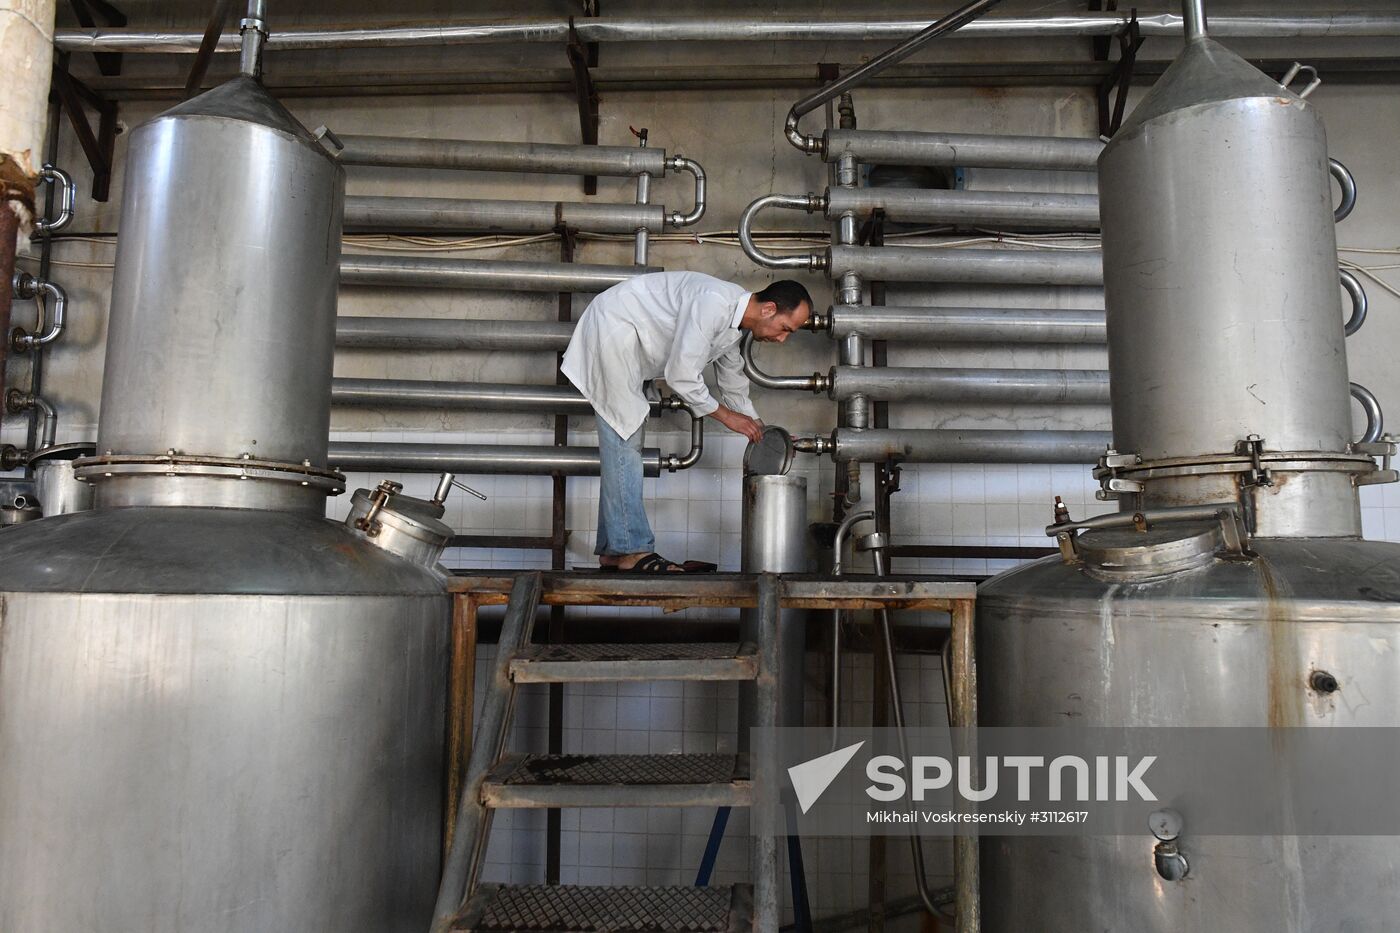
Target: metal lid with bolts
(407, 526)
(1141, 546)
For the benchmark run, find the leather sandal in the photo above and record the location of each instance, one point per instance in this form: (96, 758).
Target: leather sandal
(653, 563)
(699, 566)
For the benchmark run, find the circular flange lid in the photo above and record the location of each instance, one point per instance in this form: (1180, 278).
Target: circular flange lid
(1125, 554)
(771, 454)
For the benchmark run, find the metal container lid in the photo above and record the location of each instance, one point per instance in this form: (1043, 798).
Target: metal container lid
(771, 455)
(407, 526)
(1126, 554)
(64, 452)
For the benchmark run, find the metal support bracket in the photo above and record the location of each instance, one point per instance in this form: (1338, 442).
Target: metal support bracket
(582, 57)
(97, 144)
(1113, 89)
(87, 13)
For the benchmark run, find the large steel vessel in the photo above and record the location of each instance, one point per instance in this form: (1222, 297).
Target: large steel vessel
(218, 710)
(1233, 588)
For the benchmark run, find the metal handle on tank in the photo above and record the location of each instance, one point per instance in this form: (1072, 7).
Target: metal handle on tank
(1348, 183)
(1375, 418)
(1359, 302)
(1297, 69)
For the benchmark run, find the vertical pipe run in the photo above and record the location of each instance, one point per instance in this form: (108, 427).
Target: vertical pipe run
(852, 351)
(254, 32)
(1193, 15)
(643, 197)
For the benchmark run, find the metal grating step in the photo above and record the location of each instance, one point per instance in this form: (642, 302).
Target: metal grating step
(627, 662)
(540, 908)
(528, 781)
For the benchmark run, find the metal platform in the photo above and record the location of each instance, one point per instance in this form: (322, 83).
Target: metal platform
(542, 781)
(540, 908)
(719, 590)
(582, 663)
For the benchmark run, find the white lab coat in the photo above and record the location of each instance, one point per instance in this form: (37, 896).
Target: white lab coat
(667, 325)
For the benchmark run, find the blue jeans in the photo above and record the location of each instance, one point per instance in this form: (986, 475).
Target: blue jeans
(622, 518)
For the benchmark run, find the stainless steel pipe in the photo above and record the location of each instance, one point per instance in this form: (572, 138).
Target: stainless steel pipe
(968, 325)
(52, 319)
(1028, 386)
(486, 156)
(483, 274)
(961, 150)
(795, 202)
(416, 333)
(423, 215)
(1193, 19)
(968, 266)
(1280, 25)
(477, 396)
(946, 24)
(517, 460)
(1001, 210)
(942, 445)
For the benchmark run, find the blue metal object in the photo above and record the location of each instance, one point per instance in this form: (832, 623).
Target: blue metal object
(707, 863)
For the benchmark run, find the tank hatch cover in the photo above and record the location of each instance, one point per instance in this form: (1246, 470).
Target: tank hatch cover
(1121, 554)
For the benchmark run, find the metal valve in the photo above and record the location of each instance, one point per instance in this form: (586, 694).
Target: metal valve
(1166, 826)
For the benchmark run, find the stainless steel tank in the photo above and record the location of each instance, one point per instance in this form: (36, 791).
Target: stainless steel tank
(218, 710)
(1233, 588)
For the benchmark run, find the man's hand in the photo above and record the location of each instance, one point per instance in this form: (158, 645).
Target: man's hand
(751, 428)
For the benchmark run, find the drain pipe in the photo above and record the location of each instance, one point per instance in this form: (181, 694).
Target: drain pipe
(934, 902)
(838, 547)
(873, 67)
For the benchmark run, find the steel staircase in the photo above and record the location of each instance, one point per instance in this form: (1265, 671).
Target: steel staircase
(498, 779)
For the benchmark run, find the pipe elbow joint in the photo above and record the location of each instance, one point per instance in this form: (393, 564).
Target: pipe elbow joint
(679, 163)
(810, 262)
(27, 286)
(813, 145)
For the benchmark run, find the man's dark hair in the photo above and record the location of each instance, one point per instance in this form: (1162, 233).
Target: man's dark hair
(787, 295)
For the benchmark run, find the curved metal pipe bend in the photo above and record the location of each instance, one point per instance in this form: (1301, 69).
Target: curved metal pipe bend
(1375, 418)
(1348, 183)
(682, 164)
(810, 203)
(958, 18)
(17, 402)
(27, 286)
(1359, 302)
(813, 383)
(671, 462)
(67, 200)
